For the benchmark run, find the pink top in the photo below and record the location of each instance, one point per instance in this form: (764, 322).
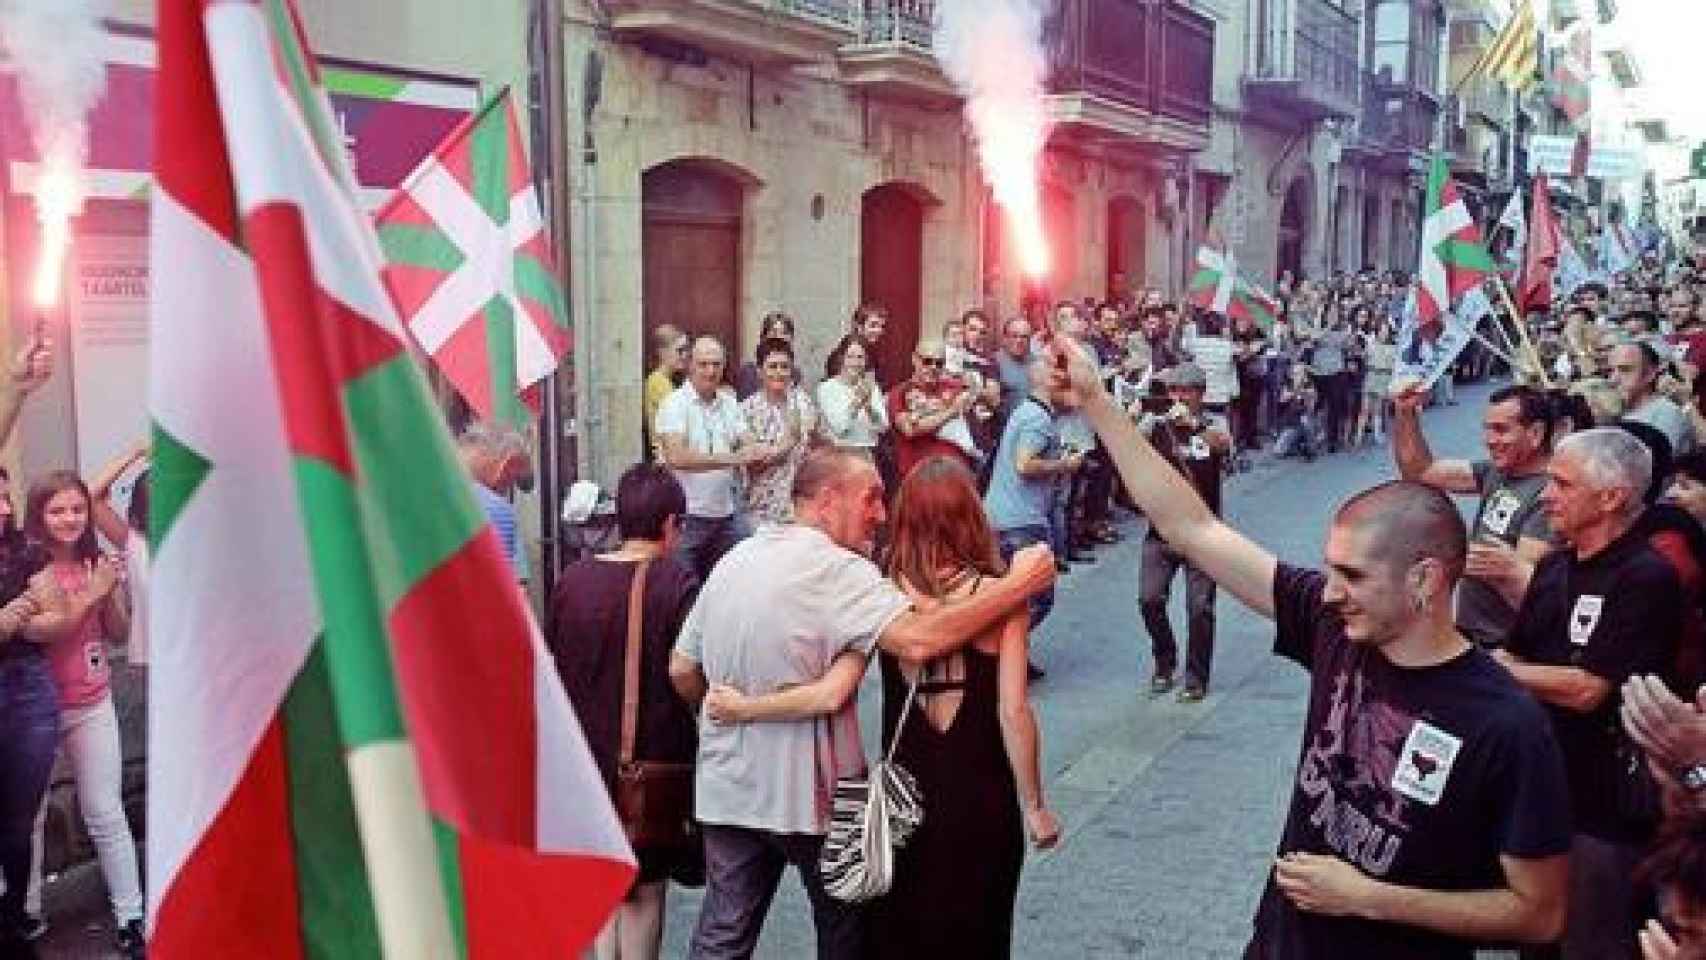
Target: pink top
(79, 661)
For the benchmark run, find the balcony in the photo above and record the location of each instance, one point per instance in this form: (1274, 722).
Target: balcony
(893, 56)
(1306, 59)
(768, 33)
(1125, 71)
(1396, 128)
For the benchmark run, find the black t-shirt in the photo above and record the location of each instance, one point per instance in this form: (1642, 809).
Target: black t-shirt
(1421, 777)
(1190, 453)
(1615, 614)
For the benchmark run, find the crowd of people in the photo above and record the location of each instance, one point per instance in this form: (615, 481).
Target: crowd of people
(1503, 746)
(66, 603)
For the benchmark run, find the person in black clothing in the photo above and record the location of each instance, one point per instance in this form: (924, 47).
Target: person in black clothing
(1594, 615)
(1196, 444)
(1430, 812)
(589, 638)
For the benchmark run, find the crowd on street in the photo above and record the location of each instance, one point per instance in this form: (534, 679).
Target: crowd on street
(1503, 745)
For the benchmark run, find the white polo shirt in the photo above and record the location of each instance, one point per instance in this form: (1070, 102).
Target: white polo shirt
(709, 427)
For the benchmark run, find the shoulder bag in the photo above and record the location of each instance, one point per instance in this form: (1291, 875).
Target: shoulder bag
(870, 818)
(654, 799)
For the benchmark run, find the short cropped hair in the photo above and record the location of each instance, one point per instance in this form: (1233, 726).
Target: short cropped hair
(646, 496)
(824, 468)
(1533, 406)
(772, 345)
(495, 440)
(1415, 522)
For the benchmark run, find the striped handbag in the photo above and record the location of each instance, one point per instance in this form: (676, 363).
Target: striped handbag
(870, 818)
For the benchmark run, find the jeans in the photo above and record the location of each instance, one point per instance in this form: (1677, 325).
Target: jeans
(704, 540)
(90, 735)
(1154, 583)
(742, 868)
(1332, 389)
(29, 731)
(1012, 541)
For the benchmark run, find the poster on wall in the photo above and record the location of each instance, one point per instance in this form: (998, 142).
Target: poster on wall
(390, 118)
(107, 306)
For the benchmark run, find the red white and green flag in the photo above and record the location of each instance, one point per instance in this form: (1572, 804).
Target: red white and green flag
(1453, 258)
(469, 262)
(358, 744)
(1218, 287)
(1571, 82)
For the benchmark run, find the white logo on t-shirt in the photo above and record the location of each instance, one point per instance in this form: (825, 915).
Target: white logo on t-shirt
(1425, 763)
(1501, 510)
(1585, 617)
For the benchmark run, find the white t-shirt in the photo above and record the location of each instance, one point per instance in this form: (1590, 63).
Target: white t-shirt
(709, 427)
(775, 612)
(849, 428)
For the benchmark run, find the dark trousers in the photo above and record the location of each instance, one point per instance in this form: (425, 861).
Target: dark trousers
(1154, 584)
(704, 540)
(1248, 412)
(1332, 389)
(1012, 541)
(742, 868)
(29, 733)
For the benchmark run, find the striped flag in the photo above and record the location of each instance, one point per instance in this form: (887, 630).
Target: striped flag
(1514, 56)
(1218, 287)
(469, 262)
(358, 745)
(1453, 259)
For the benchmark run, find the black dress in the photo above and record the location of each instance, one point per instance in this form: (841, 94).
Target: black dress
(956, 879)
(589, 641)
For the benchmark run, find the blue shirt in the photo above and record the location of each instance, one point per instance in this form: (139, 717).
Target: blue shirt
(1014, 501)
(501, 515)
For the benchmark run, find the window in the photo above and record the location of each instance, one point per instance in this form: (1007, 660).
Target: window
(1406, 40)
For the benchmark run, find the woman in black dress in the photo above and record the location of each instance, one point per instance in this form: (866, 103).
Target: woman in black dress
(970, 739)
(589, 637)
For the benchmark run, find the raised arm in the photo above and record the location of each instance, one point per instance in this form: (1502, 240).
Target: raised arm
(106, 519)
(1179, 515)
(802, 701)
(1416, 462)
(31, 368)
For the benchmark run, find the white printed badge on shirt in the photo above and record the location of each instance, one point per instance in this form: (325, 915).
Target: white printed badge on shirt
(1501, 510)
(1585, 617)
(1425, 764)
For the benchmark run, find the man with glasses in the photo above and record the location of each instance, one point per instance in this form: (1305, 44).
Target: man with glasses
(920, 409)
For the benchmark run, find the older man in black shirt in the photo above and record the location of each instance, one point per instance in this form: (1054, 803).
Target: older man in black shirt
(1429, 813)
(1594, 615)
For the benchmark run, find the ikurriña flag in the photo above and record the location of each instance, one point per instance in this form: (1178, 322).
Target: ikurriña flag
(469, 262)
(1216, 286)
(1453, 259)
(358, 746)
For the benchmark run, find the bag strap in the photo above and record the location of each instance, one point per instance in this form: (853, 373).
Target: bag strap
(906, 708)
(631, 667)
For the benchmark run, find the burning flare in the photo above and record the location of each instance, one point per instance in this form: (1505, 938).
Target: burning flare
(57, 200)
(993, 52)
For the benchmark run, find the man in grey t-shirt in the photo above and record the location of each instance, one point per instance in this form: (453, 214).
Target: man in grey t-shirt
(1511, 532)
(794, 604)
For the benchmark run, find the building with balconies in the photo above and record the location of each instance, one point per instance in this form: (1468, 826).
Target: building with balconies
(745, 156)
(1479, 112)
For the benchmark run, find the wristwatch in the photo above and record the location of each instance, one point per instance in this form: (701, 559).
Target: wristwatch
(1694, 777)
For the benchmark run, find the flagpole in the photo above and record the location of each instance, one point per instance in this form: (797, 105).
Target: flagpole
(1522, 331)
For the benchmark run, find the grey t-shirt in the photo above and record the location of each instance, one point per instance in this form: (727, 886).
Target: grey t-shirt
(1509, 510)
(776, 612)
(1664, 415)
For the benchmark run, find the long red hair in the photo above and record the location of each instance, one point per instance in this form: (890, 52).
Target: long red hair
(940, 528)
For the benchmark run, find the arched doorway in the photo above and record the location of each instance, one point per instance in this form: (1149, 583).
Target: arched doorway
(891, 270)
(690, 252)
(1125, 247)
(1292, 226)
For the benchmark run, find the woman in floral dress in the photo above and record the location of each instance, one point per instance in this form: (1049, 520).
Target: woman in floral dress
(782, 416)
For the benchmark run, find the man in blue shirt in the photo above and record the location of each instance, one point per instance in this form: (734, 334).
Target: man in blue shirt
(498, 460)
(1029, 466)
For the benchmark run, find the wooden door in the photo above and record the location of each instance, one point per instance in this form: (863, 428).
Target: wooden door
(891, 271)
(1125, 247)
(690, 255)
